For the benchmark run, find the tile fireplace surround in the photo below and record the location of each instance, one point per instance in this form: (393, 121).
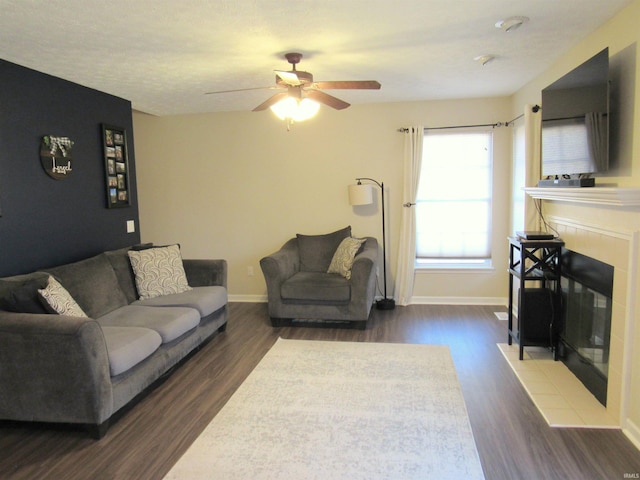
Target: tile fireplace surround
(603, 223)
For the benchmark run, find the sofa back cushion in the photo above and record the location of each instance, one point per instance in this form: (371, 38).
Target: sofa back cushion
(122, 267)
(93, 284)
(316, 251)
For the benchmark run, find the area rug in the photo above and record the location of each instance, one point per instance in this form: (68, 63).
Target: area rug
(340, 410)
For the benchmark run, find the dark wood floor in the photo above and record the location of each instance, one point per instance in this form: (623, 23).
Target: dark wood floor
(513, 440)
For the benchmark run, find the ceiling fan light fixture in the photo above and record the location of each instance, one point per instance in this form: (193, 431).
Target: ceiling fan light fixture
(512, 23)
(294, 109)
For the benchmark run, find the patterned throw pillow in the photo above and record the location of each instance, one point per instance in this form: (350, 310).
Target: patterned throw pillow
(158, 271)
(60, 300)
(343, 258)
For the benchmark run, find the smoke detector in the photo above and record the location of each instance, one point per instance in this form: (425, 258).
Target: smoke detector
(484, 59)
(511, 23)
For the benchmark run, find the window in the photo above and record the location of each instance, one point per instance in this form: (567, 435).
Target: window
(565, 147)
(453, 205)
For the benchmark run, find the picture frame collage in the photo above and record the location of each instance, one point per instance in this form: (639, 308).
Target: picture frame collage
(116, 166)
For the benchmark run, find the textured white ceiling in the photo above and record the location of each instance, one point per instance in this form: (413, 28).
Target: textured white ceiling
(163, 55)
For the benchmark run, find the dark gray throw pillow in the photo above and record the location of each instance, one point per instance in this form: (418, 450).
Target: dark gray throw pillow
(25, 299)
(316, 251)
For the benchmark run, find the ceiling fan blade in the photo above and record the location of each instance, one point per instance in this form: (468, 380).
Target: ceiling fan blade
(271, 101)
(349, 85)
(241, 90)
(290, 78)
(327, 99)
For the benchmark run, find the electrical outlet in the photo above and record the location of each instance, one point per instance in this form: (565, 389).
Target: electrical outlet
(250, 271)
(131, 226)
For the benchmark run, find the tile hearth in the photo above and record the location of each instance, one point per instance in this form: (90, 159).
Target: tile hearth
(560, 397)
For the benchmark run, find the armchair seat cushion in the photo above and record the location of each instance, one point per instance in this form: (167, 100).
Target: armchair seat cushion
(316, 287)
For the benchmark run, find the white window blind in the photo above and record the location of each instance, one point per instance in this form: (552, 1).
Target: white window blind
(453, 205)
(565, 147)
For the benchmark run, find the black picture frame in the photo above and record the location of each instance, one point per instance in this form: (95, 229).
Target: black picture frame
(116, 166)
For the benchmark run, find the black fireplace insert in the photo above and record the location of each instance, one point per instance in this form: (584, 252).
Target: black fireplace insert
(584, 338)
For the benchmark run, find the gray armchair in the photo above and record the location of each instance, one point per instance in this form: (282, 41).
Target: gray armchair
(300, 290)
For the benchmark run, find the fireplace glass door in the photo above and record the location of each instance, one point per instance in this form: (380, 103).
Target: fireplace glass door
(587, 326)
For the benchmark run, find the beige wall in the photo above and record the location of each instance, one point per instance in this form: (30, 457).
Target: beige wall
(237, 185)
(621, 34)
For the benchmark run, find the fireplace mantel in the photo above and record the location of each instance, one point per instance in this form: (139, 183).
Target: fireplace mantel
(611, 196)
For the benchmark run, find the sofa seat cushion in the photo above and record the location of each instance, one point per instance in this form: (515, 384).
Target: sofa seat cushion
(204, 299)
(170, 323)
(128, 346)
(316, 287)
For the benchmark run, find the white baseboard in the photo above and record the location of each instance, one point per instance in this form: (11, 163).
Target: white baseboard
(414, 300)
(632, 431)
(459, 301)
(248, 298)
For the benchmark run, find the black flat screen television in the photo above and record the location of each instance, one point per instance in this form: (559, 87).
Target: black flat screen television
(575, 124)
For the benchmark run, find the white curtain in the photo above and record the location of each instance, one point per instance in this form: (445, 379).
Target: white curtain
(532, 144)
(519, 177)
(407, 247)
(597, 136)
(526, 173)
(526, 169)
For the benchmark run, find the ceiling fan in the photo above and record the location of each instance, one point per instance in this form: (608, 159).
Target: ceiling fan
(299, 85)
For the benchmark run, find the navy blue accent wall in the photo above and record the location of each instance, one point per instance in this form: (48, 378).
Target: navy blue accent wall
(43, 221)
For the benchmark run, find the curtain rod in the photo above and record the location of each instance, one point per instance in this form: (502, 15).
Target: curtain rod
(494, 125)
(534, 109)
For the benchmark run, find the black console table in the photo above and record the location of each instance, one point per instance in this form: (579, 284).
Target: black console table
(536, 265)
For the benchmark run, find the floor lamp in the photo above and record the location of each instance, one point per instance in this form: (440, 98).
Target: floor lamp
(362, 194)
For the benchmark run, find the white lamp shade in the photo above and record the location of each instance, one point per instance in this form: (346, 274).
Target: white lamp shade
(360, 194)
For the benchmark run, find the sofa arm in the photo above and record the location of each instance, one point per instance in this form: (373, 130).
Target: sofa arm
(364, 271)
(280, 266)
(53, 368)
(205, 273)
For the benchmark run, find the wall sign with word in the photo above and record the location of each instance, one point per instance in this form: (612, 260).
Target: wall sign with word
(55, 155)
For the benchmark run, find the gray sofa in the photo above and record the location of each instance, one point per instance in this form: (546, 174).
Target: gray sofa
(72, 370)
(300, 291)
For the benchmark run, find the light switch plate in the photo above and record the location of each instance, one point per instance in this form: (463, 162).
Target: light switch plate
(131, 226)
